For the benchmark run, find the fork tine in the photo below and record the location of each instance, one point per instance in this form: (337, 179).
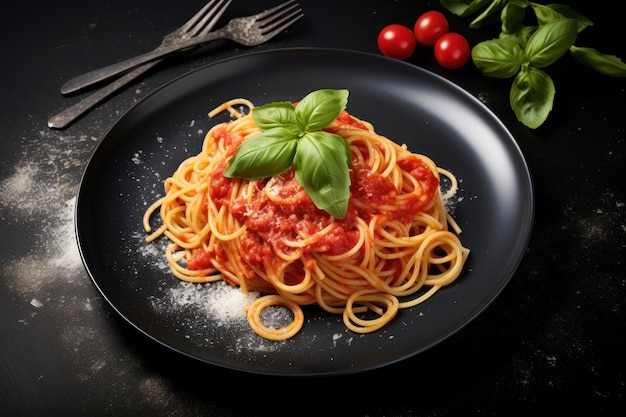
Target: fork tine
(277, 26)
(276, 9)
(191, 22)
(205, 25)
(199, 19)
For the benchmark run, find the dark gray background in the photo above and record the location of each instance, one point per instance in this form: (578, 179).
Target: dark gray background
(554, 337)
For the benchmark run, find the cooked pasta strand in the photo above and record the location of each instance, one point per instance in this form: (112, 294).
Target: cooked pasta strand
(392, 251)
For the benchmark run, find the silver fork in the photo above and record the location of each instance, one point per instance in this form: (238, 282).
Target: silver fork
(249, 31)
(198, 25)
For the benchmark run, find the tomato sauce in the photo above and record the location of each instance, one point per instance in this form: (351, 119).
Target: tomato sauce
(270, 224)
(343, 121)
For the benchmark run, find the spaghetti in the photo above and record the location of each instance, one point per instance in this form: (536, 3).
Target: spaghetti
(393, 250)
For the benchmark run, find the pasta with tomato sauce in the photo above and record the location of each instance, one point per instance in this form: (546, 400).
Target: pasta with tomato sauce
(394, 249)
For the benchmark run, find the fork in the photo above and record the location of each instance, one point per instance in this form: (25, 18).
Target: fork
(198, 25)
(248, 31)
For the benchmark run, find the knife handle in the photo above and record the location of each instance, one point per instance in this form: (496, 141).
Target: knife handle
(90, 78)
(67, 116)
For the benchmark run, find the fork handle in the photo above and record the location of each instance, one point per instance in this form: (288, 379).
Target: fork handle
(69, 115)
(104, 73)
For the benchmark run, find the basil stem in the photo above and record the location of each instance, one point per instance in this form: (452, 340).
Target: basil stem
(491, 13)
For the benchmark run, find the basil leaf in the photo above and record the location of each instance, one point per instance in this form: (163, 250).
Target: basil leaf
(512, 15)
(532, 96)
(545, 14)
(519, 37)
(274, 114)
(498, 58)
(267, 154)
(319, 108)
(550, 42)
(490, 14)
(321, 169)
(551, 12)
(568, 12)
(605, 64)
(464, 7)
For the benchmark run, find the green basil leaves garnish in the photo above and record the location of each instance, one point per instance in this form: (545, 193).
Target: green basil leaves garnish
(532, 92)
(522, 51)
(292, 136)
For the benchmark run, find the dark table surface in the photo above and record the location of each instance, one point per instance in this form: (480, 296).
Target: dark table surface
(554, 337)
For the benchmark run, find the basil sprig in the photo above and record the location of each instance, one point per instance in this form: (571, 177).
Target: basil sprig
(523, 52)
(292, 136)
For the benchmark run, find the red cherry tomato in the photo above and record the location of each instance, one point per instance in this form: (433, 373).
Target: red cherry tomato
(429, 27)
(396, 41)
(452, 50)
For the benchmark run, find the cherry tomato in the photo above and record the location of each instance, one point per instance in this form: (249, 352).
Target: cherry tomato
(452, 50)
(429, 27)
(396, 41)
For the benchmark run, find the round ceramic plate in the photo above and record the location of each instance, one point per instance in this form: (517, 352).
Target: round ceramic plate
(494, 206)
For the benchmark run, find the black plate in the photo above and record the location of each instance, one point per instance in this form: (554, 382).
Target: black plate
(409, 105)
